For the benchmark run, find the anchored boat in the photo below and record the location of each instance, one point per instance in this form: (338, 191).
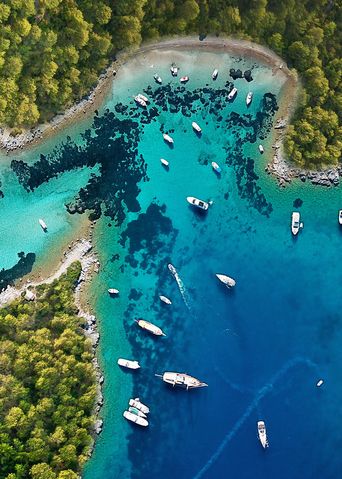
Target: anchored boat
(174, 70)
(136, 411)
(112, 291)
(262, 434)
(139, 405)
(229, 282)
(164, 162)
(249, 98)
(295, 223)
(135, 418)
(43, 224)
(126, 363)
(184, 79)
(216, 167)
(196, 127)
(261, 149)
(182, 380)
(214, 74)
(165, 300)
(232, 94)
(202, 205)
(168, 138)
(151, 328)
(140, 101)
(340, 217)
(157, 79)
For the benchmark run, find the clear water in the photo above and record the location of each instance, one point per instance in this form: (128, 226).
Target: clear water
(260, 347)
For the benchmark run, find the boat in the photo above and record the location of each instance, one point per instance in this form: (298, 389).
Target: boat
(43, 224)
(261, 149)
(340, 217)
(140, 101)
(262, 434)
(174, 70)
(227, 280)
(196, 127)
(172, 269)
(139, 405)
(164, 162)
(127, 363)
(214, 74)
(113, 291)
(202, 205)
(184, 79)
(182, 380)
(319, 383)
(232, 94)
(165, 300)
(151, 328)
(295, 223)
(216, 167)
(135, 418)
(168, 138)
(143, 97)
(136, 411)
(157, 79)
(249, 98)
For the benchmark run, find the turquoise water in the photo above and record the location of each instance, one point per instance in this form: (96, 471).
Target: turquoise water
(260, 347)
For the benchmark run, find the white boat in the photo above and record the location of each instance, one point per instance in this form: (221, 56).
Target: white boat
(295, 223)
(202, 205)
(340, 217)
(165, 300)
(143, 97)
(136, 411)
(174, 70)
(262, 434)
(127, 363)
(140, 101)
(172, 269)
(196, 127)
(43, 224)
(249, 98)
(157, 79)
(214, 74)
(232, 93)
(184, 79)
(227, 280)
(261, 149)
(134, 418)
(164, 162)
(319, 383)
(182, 380)
(216, 167)
(151, 328)
(113, 291)
(168, 138)
(139, 405)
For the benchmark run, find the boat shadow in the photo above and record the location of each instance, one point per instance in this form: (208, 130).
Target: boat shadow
(198, 213)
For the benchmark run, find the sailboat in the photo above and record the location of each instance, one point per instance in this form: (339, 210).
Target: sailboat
(181, 380)
(227, 280)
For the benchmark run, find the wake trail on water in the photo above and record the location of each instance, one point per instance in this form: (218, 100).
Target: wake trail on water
(253, 405)
(183, 291)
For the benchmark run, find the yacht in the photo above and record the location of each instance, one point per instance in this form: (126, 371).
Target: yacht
(295, 223)
(182, 380)
(174, 70)
(164, 162)
(151, 328)
(136, 411)
(113, 291)
(172, 269)
(157, 79)
(214, 74)
(43, 224)
(261, 149)
(184, 79)
(168, 138)
(229, 282)
(196, 127)
(249, 98)
(140, 101)
(202, 205)
(232, 93)
(262, 434)
(126, 363)
(340, 217)
(165, 300)
(216, 167)
(139, 405)
(135, 418)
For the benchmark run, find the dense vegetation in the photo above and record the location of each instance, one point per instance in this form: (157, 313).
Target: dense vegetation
(47, 385)
(51, 52)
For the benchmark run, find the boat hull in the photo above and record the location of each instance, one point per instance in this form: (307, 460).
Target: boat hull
(127, 363)
(182, 380)
(140, 421)
(200, 204)
(151, 328)
(226, 280)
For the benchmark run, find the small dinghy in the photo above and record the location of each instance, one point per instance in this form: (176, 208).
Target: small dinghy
(184, 79)
(261, 149)
(168, 138)
(151, 328)
(135, 418)
(226, 280)
(174, 70)
(136, 411)
(214, 74)
(340, 217)
(249, 98)
(127, 363)
(262, 434)
(112, 291)
(216, 167)
(196, 127)
(139, 405)
(232, 94)
(157, 79)
(165, 300)
(43, 224)
(202, 205)
(164, 162)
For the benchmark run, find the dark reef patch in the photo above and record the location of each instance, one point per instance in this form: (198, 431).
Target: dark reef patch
(23, 266)
(297, 203)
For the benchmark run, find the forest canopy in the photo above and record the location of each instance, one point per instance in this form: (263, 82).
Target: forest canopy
(52, 51)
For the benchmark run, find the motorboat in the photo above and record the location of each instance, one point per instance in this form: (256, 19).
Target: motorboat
(164, 162)
(113, 291)
(151, 328)
(196, 127)
(261, 149)
(140, 101)
(168, 138)
(262, 434)
(319, 383)
(157, 79)
(181, 380)
(184, 79)
(340, 217)
(295, 223)
(227, 280)
(214, 74)
(165, 300)
(136, 411)
(135, 418)
(232, 94)
(43, 224)
(143, 97)
(174, 70)
(216, 167)
(249, 98)
(172, 269)
(127, 363)
(202, 205)
(139, 405)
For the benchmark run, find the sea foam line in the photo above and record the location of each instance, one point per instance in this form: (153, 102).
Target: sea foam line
(182, 290)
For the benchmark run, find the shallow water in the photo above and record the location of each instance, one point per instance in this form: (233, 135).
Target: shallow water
(260, 347)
